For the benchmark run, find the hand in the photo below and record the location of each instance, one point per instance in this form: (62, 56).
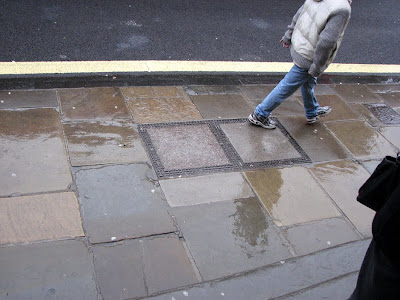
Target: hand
(284, 44)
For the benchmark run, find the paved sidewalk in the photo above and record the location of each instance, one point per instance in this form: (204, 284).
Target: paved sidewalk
(168, 192)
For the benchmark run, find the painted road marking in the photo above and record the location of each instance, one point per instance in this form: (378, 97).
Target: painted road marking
(157, 66)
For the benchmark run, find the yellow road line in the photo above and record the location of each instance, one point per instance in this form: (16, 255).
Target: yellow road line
(80, 67)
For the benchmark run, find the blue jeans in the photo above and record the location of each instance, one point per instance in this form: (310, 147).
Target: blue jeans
(287, 86)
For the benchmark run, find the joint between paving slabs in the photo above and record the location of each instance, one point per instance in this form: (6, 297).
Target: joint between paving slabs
(343, 215)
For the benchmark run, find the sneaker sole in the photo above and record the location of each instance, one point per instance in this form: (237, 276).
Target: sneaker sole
(325, 113)
(313, 120)
(258, 123)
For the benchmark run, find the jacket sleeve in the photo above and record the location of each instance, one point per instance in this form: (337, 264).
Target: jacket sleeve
(287, 38)
(327, 41)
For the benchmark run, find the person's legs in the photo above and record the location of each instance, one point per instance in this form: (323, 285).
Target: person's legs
(287, 86)
(310, 102)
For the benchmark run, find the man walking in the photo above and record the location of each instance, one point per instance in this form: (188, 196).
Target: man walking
(314, 37)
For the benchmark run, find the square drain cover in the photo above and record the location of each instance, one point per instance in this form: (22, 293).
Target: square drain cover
(384, 113)
(201, 147)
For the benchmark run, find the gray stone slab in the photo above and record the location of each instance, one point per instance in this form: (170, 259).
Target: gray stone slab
(32, 152)
(340, 288)
(384, 88)
(28, 99)
(341, 110)
(57, 270)
(106, 142)
(136, 268)
(365, 114)
(342, 180)
(222, 106)
(255, 144)
(356, 93)
(257, 92)
(281, 279)
(320, 235)
(288, 199)
(392, 99)
(106, 103)
(366, 144)
(166, 264)
(205, 189)
(316, 141)
(225, 238)
(119, 270)
(371, 165)
(119, 202)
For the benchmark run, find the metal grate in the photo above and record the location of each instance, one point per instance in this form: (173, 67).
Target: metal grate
(384, 113)
(236, 162)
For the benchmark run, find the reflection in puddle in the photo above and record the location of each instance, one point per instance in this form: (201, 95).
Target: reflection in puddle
(327, 171)
(250, 227)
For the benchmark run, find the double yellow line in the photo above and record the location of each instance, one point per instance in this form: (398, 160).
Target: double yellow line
(158, 66)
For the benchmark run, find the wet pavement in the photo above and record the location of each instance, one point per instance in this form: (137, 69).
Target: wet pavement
(167, 192)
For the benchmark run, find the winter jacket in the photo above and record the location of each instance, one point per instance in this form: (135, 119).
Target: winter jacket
(316, 33)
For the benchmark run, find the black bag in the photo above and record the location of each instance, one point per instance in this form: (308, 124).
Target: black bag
(381, 184)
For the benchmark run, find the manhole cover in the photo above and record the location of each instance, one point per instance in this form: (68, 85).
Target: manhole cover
(384, 113)
(201, 147)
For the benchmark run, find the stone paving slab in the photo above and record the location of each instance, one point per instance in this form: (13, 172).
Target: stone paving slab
(222, 106)
(287, 199)
(281, 279)
(119, 270)
(56, 270)
(315, 139)
(159, 110)
(355, 93)
(159, 104)
(392, 134)
(228, 237)
(136, 268)
(340, 288)
(120, 202)
(315, 236)
(205, 189)
(28, 99)
(103, 142)
(392, 99)
(341, 110)
(384, 88)
(166, 264)
(103, 103)
(366, 144)
(153, 92)
(255, 144)
(32, 153)
(365, 114)
(40, 217)
(342, 180)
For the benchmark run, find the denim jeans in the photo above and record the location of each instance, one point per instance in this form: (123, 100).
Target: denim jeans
(287, 86)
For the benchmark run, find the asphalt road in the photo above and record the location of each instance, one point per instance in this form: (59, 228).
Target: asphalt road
(181, 30)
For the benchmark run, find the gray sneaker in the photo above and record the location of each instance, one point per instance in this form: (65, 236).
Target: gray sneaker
(261, 121)
(321, 112)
